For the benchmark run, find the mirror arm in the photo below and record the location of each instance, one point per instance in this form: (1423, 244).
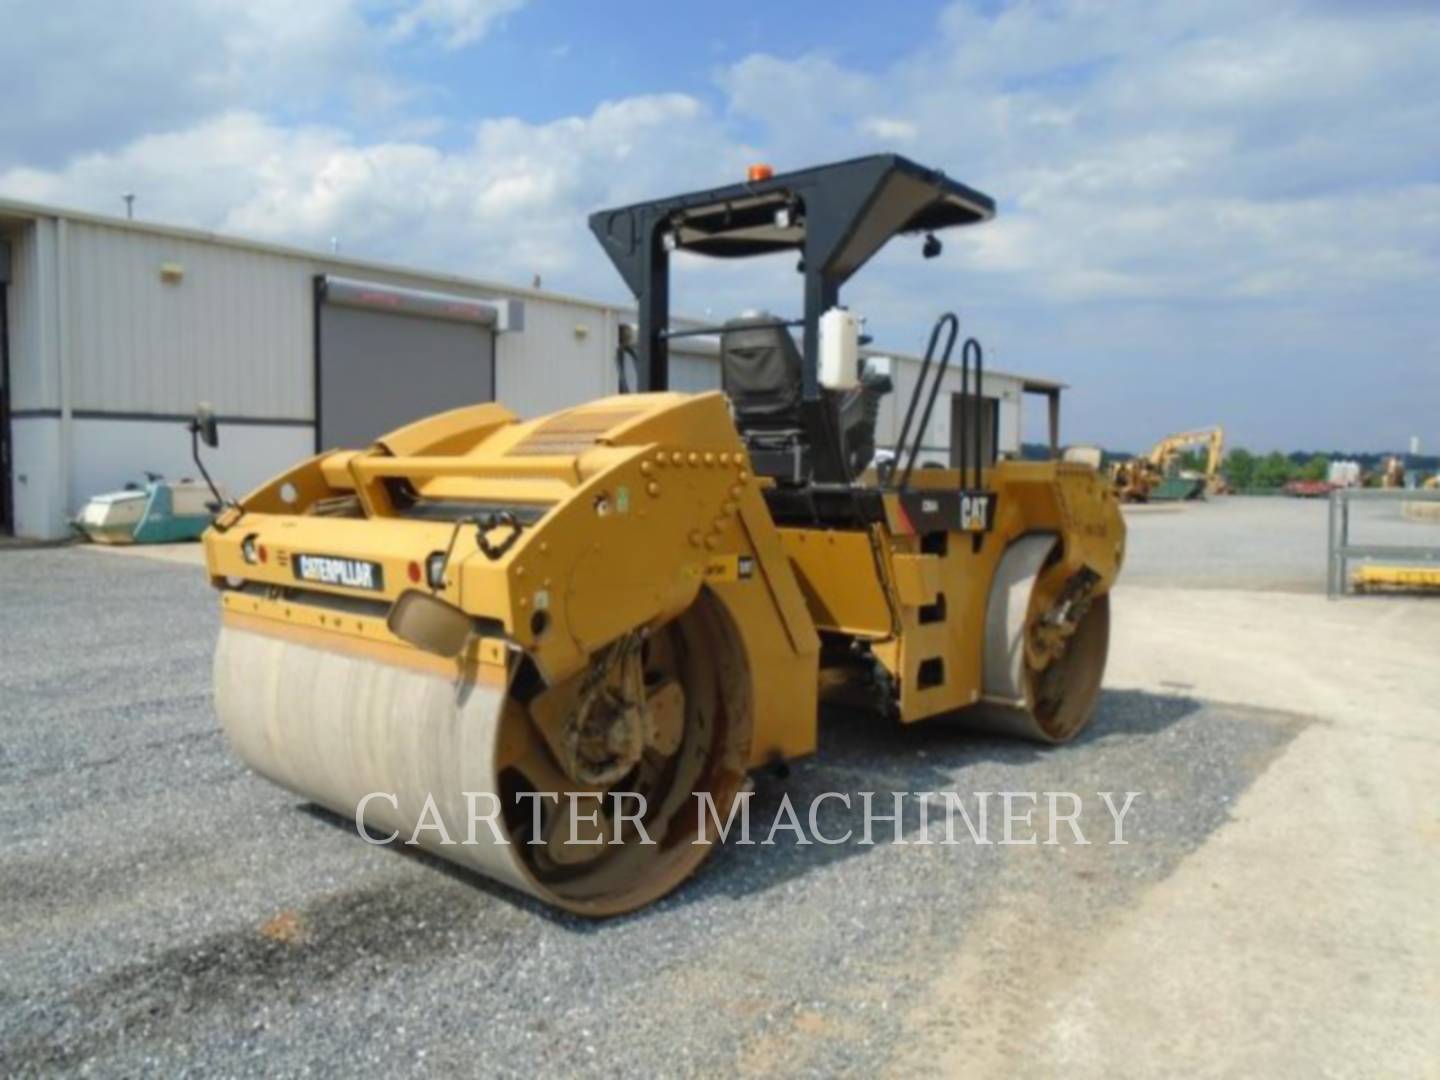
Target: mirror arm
(220, 501)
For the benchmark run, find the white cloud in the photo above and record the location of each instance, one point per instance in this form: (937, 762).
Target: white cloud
(456, 22)
(79, 79)
(809, 101)
(510, 203)
(888, 129)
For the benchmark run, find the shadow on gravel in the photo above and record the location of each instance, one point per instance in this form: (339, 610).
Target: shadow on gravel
(469, 879)
(858, 752)
(861, 753)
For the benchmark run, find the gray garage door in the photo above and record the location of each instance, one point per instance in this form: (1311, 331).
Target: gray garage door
(386, 356)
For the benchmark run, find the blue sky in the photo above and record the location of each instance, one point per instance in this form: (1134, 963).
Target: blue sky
(1220, 212)
(570, 54)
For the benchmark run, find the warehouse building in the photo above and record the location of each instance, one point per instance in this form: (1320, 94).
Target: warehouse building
(112, 330)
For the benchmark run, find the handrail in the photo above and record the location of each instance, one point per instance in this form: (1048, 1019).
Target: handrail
(720, 329)
(979, 435)
(951, 320)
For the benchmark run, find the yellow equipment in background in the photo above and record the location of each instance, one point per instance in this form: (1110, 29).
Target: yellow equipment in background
(1374, 577)
(1133, 480)
(1140, 479)
(484, 621)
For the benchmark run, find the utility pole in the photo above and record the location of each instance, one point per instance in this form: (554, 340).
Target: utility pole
(129, 206)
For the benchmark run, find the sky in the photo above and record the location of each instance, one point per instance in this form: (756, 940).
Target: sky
(1220, 212)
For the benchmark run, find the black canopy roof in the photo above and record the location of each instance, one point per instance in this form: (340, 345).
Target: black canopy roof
(853, 207)
(836, 216)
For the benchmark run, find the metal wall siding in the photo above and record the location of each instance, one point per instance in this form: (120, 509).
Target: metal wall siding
(235, 330)
(887, 426)
(238, 331)
(1005, 387)
(548, 365)
(32, 381)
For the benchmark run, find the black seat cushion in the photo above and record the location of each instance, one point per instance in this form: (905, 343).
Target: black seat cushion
(761, 372)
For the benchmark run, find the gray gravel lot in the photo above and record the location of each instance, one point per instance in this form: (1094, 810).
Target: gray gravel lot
(167, 912)
(1252, 542)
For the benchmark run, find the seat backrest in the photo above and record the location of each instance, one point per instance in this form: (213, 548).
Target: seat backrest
(859, 410)
(761, 372)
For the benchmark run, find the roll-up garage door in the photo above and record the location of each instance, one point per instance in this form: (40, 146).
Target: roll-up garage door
(386, 356)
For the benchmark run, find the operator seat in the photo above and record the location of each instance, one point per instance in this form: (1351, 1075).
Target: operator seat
(859, 410)
(762, 373)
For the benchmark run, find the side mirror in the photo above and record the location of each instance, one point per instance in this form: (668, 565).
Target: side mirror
(429, 623)
(205, 426)
(202, 428)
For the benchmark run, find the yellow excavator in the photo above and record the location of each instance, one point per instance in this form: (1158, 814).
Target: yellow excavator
(1155, 476)
(551, 649)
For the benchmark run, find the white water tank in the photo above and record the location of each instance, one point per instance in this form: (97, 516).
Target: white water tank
(839, 349)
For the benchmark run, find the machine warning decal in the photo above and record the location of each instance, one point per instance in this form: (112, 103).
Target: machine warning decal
(725, 568)
(333, 570)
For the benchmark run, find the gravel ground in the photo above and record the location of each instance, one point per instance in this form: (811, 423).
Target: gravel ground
(167, 912)
(1252, 542)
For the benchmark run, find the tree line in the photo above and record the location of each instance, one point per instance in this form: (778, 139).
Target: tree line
(1247, 471)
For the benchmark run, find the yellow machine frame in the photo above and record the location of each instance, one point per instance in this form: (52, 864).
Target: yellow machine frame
(649, 594)
(646, 499)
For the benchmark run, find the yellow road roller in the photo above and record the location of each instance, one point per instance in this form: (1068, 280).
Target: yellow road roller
(552, 649)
